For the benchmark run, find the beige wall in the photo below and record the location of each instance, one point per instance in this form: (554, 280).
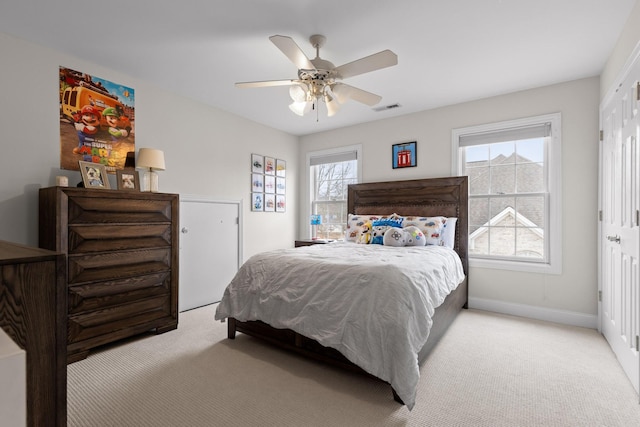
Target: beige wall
(627, 42)
(574, 291)
(207, 150)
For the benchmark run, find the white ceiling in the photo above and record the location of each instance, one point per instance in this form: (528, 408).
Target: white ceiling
(448, 51)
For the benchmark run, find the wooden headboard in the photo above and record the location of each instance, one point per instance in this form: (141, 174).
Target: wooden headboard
(419, 197)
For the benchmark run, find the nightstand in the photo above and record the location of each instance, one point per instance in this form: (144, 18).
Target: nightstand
(309, 242)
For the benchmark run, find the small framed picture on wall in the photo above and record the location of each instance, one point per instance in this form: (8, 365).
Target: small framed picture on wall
(257, 183)
(404, 155)
(281, 203)
(281, 168)
(269, 202)
(257, 202)
(269, 165)
(281, 185)
(257, 163)
(269, 184)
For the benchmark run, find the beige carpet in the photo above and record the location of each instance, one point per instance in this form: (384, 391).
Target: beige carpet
(488, 370)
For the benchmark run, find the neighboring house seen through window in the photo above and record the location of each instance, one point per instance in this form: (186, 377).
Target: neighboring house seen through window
(330, 173)
(514, 189)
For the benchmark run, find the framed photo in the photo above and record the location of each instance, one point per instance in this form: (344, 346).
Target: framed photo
(128, 179)
(257, 163)
(257, 183)
(269, 184)
(404, 155)
(281, 167)
(269, 202)
(94, 175)
(269, 165)
(257, 202)
(281, 203)
(281, 185)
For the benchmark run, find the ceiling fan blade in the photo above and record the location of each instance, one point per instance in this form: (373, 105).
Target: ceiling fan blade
(292, 51)
(266, 83)
(379, 60)
(344, 92)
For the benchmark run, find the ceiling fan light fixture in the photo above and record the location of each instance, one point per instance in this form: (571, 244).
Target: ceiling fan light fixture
(299, 93)
(300, 108)
(332, 105)
(317, 77)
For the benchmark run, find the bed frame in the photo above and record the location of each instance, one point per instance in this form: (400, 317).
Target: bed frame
(422, 197)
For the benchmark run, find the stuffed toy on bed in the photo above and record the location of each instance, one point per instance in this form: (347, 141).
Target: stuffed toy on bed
(364, 236)
(381, 226)
(408, 236)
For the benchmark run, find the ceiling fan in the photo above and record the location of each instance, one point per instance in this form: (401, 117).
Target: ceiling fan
(318, 79)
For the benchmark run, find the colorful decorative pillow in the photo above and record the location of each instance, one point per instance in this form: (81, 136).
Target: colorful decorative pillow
(380, 226)
(415, 237)
(357, 225)
(431, 227)
(408, 236)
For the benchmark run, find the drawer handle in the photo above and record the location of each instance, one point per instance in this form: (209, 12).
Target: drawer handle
(613, 239)
(184, 230)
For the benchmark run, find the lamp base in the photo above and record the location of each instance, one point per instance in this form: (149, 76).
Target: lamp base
(150, 181)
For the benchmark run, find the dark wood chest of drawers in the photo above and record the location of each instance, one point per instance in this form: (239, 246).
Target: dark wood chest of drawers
(122, 261)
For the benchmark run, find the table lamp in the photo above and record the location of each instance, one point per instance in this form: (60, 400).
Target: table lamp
(316, 220)
(152, 160)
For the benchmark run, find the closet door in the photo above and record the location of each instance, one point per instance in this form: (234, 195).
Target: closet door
(209, 250)
(619, 226)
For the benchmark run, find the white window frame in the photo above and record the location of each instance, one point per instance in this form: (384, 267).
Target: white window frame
(306, 226)
(553, 265)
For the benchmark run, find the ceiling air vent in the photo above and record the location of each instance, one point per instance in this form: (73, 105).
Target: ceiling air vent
(387, 107)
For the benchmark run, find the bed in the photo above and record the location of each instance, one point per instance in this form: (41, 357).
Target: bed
(397, 362)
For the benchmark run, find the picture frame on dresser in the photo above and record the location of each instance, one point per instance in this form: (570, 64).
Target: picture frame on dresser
(128, 180)
(94, 175)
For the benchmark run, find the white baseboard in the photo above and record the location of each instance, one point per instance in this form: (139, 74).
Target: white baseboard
(533, 312)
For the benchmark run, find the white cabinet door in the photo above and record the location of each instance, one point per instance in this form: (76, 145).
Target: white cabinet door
(209, 250)
(620, 224)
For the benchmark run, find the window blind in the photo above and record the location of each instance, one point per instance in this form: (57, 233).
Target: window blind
(333, 158)
(541, 130)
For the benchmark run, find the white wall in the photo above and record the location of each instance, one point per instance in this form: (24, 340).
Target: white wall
(207, 150)
(627, 41)
(569, 297)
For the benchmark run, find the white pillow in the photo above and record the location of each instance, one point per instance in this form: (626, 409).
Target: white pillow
(448, 236)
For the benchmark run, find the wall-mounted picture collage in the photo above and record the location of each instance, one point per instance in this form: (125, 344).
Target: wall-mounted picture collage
(268, 184)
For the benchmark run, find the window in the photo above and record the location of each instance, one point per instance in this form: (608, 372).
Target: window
(514, 192)
(330, 173)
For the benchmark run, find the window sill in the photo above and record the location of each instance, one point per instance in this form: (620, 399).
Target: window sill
(526, 267)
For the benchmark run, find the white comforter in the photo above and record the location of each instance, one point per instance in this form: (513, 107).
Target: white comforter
(372, 303)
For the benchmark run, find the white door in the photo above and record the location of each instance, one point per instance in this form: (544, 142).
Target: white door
(619, 228)
(209, 250)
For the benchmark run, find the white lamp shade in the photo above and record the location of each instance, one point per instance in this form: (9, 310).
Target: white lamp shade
(332, 105)
(298, 93)
(150, 158)
(300, 108)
